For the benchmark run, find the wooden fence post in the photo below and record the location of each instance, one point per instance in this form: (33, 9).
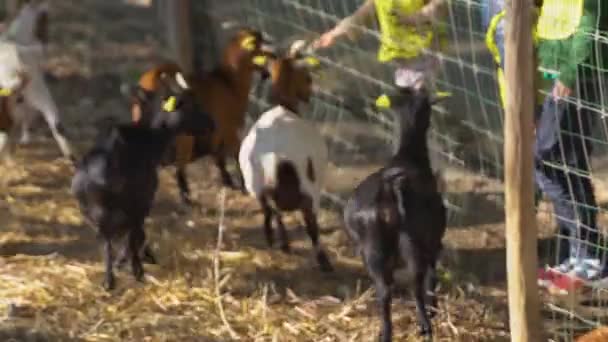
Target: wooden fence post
(11, 8)
(179, 33)
(521, 231)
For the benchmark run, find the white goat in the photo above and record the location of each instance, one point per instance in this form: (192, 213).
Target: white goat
(21, 49)
(283, 158)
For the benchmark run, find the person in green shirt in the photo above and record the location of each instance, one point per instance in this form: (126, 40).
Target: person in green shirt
(568, 59)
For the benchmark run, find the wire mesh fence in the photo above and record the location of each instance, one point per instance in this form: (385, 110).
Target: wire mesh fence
(466, 138)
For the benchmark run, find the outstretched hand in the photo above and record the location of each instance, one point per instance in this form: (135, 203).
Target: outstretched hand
(326, 40)
(560, 91)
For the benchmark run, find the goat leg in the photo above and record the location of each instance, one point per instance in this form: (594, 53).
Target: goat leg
(382, 280)
(45, 104)
(282, 233)
(431, 285)
(109, 280)
(312, 228)
(59, 133)
(267, 221)
(241, 178)
(122, 258)
(182, 183)
(8, 146)
(137, 237)
(148, 256)
(419, 291)
(220, 162)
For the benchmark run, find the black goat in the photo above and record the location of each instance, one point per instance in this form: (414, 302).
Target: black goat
(116, 181)
(396, 216)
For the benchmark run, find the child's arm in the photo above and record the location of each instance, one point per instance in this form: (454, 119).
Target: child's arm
(362, 17)
(348, 26)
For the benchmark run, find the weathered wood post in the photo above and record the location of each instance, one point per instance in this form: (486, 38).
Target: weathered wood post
(522, 259)
(179, 33)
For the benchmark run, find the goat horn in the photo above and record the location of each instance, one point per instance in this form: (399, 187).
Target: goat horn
(181, 81)
(299, 46)
(229, 24)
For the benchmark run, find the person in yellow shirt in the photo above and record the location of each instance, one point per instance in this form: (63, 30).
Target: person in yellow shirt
(410, 33)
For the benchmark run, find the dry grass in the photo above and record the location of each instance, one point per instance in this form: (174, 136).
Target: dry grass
(52, 270)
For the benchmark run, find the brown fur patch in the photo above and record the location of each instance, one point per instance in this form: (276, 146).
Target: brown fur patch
(598, 335)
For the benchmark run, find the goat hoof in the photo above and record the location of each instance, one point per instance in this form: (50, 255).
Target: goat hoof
(138, 274)
(426, 333)
(285, 248)
(137, 269)
(72, 159)
(120, 263)
(109, 283)
(227, 182)
(25, 139)
(187, 201)
(432, 312)
(383, 338)
(269, 240)
(324, 263)
(148, 257)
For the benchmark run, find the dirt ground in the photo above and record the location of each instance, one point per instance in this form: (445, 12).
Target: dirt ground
(51, 266)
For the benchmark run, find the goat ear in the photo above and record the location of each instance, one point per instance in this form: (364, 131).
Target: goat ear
(260, 60)
(309, 62)
(181, 81)
(170, 104)
(229, 24)
(440, 96)
(383, 102)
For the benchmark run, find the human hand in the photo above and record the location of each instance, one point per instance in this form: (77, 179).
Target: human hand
(326, 40)
(560, 90)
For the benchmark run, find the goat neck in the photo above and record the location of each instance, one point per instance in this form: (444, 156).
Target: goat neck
(290, 104)
(412, 142)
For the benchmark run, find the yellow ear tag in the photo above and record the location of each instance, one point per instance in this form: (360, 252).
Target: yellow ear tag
(312, 61)
(169, 105)
(442, 94)
(4, 92)
(248, 43)
(260, 60)
(383, 102)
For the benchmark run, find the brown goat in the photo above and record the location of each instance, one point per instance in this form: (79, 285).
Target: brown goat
(598, 335)
(291, 82)
(224, 94)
